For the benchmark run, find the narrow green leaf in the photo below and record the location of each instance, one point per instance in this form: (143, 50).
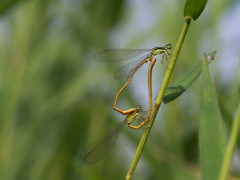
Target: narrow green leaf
(185, 81)
(182, 84)
(212, 134)
(194, 8)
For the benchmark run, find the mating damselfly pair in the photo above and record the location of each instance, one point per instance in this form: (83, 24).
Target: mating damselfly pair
(137, 58)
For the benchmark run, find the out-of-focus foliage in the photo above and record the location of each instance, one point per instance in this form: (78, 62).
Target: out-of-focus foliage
(55, 99)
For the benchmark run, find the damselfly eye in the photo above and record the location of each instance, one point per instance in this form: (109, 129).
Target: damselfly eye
(168, 46)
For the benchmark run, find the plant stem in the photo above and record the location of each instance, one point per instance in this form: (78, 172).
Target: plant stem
(159, 99)
(230, 148)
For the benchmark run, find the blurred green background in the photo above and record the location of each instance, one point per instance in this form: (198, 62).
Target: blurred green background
(55, 99)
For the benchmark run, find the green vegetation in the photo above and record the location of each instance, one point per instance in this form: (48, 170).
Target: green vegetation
(55, 99)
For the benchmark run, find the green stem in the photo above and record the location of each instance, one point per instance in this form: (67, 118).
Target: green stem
(159, 99)
(230, 148)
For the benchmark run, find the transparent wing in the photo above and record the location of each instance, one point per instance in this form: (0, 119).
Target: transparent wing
(115, 55)
(129, 68)
(102, 146)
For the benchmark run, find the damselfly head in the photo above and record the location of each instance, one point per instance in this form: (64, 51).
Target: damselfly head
(138, 108)
(168, 46)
